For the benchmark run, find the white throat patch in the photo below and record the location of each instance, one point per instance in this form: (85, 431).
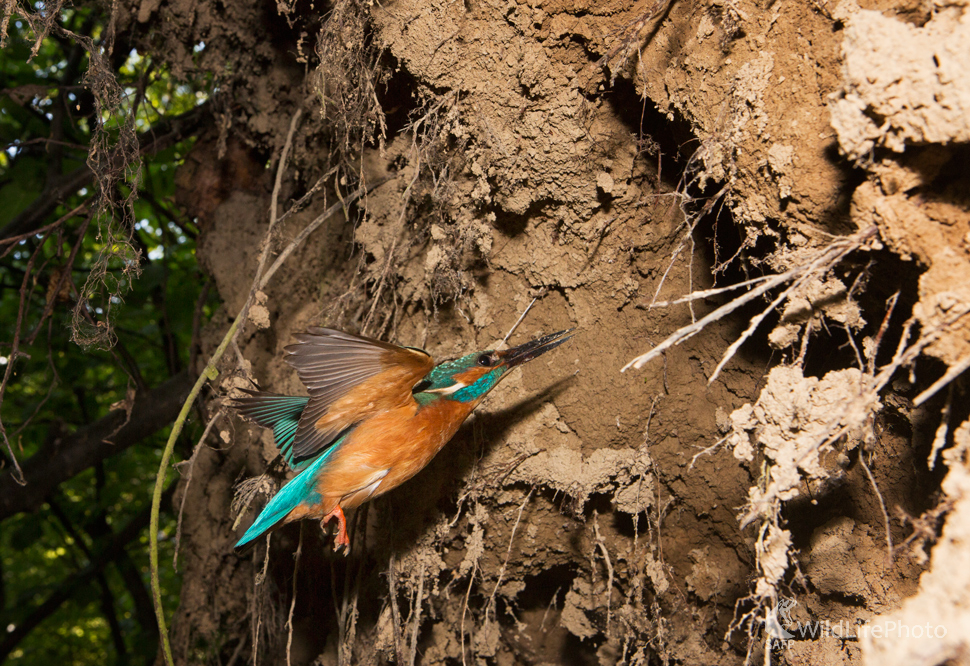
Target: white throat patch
(448, 390)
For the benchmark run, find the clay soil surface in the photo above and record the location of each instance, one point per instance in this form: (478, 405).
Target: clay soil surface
(598, 161)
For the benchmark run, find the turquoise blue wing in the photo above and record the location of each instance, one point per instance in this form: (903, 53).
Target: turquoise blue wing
(279, 412)
(301, 489)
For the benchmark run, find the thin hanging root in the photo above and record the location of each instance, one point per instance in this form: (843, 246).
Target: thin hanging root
(828, 257)
(939, 439)
(490, 606)
(951, 374)
(188, 482)
(414, 619)
(464, 609)
(289, 619)
(882, 506)
(395, 613)
(601, 545)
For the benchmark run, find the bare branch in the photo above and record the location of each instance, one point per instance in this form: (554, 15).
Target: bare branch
(45, 470)
(110, 552)
(157, 138)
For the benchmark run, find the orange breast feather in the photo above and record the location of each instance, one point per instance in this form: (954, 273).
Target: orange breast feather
(387, 449)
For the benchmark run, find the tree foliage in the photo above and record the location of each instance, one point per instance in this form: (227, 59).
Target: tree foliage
(99, 296)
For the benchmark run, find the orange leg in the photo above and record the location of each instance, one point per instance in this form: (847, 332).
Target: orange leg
(340, 540)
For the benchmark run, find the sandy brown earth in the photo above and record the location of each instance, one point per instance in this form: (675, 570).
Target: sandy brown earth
(599, 159)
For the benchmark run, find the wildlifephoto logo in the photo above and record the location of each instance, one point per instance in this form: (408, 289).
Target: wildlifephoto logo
(778, 615)
(783, 631)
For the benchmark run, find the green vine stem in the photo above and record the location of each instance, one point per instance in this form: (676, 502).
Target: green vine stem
(211, 372)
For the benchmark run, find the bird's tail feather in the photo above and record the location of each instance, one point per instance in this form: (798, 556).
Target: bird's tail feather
(279, 412)
(302, 489)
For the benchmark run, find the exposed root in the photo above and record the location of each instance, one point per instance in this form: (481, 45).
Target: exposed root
(630, 37)
(816, 266)
(490, 606)
(926, 528)
(464, 610)
(428, 131)
(289, 618)
(940, 437)
(399, 649)
(705, 452)
(952, 373)
(188, 480)
(601, 545)
(347, 78)
(882, 506)
(415, 617)
(246, 491)
(346, 607)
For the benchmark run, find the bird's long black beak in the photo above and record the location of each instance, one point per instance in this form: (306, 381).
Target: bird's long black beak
(530, 350)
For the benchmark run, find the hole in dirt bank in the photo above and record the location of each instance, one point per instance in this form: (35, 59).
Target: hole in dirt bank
(396, 96)
(719, 261)
(953, 177)
(567, 506)
(577, 652)
(922, 426)
(720, 240)
(665, 144)
(532, 628)
(546, 589)
(600, 504)
(806, 513)
(513, 224)
(898, 465)
(873, 278)
(638, 526)
(304, 18)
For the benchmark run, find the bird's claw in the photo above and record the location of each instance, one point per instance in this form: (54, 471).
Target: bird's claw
(340, 539)
(341, 544)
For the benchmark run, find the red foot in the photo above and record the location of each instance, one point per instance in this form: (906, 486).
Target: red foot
(340, 540)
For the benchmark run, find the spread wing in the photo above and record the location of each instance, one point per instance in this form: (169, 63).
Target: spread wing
(349, 377)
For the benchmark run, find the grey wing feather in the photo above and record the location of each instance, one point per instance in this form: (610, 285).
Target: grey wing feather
(330, 363)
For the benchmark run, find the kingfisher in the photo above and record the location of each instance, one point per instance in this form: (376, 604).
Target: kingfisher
(376, 415)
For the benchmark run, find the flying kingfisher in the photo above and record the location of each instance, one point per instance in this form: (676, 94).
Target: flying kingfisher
(376, 415)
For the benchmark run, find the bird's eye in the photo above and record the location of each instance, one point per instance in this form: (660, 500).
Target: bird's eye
(485, 360)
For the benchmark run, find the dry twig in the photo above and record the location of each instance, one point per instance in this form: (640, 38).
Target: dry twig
(823, 261)
(289, 619)
(519, 321)
(882, 506)
(188, 481)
